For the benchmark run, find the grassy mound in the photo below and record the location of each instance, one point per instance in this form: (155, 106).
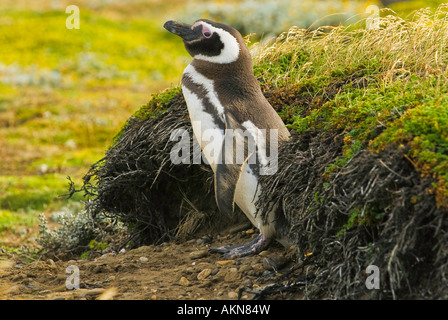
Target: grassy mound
(137, 182)
(365, 180)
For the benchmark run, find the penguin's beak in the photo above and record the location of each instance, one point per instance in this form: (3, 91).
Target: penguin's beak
(183, 30)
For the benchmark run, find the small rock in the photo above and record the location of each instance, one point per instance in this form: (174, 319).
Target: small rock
(250, 231)
(232, 275)
(223, 263)
(143, 259)
(204, 274)
(184, 281)
(153, 297)
(247, 283)
(232, 295)
(214, 271)
(189, 270)
(198, 254)
(51, 263)
(258, 268)
(245, 268)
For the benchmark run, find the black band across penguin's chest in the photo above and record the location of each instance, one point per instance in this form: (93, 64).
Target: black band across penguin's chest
(209, 101)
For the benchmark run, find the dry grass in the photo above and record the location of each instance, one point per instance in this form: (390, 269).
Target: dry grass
(398, 48)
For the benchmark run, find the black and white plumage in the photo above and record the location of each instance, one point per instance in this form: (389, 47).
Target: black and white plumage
(227, 109)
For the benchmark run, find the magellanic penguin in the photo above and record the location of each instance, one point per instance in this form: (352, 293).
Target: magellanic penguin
(226, 104)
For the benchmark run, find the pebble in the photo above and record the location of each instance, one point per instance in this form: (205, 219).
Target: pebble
(258, 268)
(232, 275)
(214, 271)
(143, 259)
(232, 295)
(247, 283)
(184, 281)
(223, 263)
(204, 274)
(244, 268)
(198, 254)
(51, 263)
(189, 270)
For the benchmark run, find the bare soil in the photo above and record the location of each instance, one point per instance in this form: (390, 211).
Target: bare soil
(156, 272)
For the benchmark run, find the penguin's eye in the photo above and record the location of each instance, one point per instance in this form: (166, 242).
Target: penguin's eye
(206, 32)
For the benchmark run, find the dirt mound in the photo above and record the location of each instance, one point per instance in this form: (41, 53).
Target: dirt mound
(376, 211)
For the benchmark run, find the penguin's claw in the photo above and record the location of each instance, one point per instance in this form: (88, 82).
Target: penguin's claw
(255, 246)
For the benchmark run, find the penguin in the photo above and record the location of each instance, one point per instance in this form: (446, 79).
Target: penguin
(228, 111)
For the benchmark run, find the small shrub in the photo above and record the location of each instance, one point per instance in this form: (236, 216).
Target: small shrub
(79, 233)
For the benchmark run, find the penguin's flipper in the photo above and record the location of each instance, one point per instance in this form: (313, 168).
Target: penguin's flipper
(235, 152)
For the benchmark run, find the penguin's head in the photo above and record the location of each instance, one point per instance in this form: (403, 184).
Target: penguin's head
(209, 41)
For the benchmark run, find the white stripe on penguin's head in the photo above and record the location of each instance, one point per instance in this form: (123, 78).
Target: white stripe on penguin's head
(230, 50)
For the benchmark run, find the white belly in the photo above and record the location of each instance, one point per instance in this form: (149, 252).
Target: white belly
(247, 193)
(206, 131)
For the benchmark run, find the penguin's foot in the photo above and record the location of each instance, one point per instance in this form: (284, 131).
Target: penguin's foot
(255, 246)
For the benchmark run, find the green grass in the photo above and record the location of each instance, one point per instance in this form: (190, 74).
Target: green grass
(10, 220)
(64, 94)
(32, 193)
(102, 51)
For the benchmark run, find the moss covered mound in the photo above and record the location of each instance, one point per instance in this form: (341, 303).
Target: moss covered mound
(364, 181)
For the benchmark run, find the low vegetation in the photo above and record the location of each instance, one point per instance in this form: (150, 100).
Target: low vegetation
(64, 95)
